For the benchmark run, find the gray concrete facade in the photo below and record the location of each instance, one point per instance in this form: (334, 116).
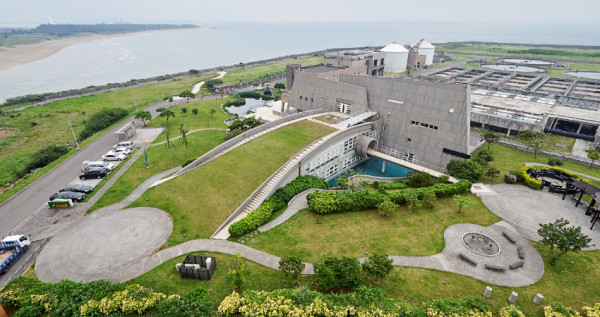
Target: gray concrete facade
(427, 121)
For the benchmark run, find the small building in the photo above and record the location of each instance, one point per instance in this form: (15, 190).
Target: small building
(396, 57)
(371, 60)
(224, 89)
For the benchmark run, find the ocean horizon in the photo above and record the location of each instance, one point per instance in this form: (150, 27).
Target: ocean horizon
(126, 57)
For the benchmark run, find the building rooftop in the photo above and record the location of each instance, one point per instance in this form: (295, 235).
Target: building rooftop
(422, 44)
(394, 48)
(319, 69)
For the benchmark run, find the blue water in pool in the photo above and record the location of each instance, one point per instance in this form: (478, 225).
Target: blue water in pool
(372, 167)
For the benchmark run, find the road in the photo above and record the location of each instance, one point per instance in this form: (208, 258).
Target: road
(27, 201)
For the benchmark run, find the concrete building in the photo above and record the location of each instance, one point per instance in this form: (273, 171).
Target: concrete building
(374, 61)
(425, 48)
(396, 57)
(422, 122)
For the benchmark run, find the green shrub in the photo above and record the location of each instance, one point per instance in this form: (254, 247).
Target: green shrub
(282, 196)
(421, 180)
(467, 169)
(390, 186)
(45, 156)
(102, 119)
(378, 266)
(209, 84)
(279, 86)
(528, 180)
(443, 179)
(486, 155)
(558, 309)
(237, 102)
(555, 162)
(341, 201)
(338, 273)
(183, 109)
(386, 207)
(188, 161)
(194, 111)
(457, 307)
(249, 94)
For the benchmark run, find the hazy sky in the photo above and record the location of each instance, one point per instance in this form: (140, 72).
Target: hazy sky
(172, 11)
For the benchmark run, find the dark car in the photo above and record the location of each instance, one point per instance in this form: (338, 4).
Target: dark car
(94, 173)
(74, 196)
(80, 188)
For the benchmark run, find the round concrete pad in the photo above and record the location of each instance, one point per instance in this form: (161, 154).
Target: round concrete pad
(525, 208)
(100, 245)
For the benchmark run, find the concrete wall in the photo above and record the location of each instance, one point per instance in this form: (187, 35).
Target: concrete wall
(400, 102)
(310, 92)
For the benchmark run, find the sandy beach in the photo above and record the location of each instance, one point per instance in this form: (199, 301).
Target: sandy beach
(11, 57)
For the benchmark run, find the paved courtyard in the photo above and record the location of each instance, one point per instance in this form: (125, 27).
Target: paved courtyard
(525, 208)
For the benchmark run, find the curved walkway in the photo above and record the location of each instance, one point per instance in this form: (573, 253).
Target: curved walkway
(525, 208)
(199, 85)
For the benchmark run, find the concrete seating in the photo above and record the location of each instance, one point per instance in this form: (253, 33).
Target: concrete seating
(521, 252)
(516, 265)
(511, 239)
(467, 259)
(495, 268)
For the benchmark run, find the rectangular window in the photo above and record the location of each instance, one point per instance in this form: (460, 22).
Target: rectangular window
(408, 140)
(382, 61)
(305, 98)
(300, 97)
(375, 62)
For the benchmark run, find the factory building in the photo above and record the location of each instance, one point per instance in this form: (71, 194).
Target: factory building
(396, 56)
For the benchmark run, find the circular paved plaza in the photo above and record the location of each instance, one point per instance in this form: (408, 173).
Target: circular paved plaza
(526, 208)
(103, 243)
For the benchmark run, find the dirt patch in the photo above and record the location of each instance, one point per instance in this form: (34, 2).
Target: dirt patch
(6, 132)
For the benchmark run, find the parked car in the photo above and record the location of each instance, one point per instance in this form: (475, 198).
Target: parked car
(74, 196)
(123, 150)
(88, 165)
(125, 144)
(80, 188)
(112, 156)
(94, 173)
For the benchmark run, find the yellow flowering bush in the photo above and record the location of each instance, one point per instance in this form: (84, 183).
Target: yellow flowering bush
(134, 299)
(44, 301)
(471, 313)
(558, 310)
(591, 311)
(510, 311)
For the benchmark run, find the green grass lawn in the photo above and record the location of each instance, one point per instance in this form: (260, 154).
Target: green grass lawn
(506, 50)
(201, 200)
(313, 237)
(160, 158)
(247, 74)
(559, 139)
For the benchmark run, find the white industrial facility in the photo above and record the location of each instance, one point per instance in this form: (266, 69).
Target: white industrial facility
(396, 57)
(424, 48)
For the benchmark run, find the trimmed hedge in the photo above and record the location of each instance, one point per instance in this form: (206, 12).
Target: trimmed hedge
(390, 186)
(341, 201)
(101, 120)
(282, 196)
(575, 176)
(528, 180)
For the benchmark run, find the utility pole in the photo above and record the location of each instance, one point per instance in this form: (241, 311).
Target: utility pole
(74, 138)
(134, 103)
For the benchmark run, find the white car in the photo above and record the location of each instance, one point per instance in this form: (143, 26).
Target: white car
(125, 144)
(112, 156)
(122, 150)
(88, 165)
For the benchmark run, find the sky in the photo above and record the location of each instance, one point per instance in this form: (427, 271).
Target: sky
(196, 11)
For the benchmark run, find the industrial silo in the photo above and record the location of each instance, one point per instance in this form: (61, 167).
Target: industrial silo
(425, 48)
(396, 56)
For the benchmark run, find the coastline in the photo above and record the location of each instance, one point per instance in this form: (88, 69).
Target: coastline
(11, 57)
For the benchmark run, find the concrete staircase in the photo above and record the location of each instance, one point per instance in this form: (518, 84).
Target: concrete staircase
(268, 187)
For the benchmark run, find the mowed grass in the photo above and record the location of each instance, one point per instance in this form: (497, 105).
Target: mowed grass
(312, 237)
(37, 127)
(508, 159)
(164, 278)
(201, 200)
(160, 158)
(247, 74)
(507, 50)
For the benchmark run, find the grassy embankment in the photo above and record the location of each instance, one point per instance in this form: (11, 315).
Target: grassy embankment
(37, 127)
(247, 74)
(201, 200)
(569, 54)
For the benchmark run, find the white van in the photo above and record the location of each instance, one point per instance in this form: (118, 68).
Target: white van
(125, 144)
(88, 165)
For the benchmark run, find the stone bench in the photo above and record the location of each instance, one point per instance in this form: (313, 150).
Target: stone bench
(516, 265)
(509, 237)
(467, 259)
(495, 268)
(521, 252)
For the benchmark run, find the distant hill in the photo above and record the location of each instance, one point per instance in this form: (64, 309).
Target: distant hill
(72, 29)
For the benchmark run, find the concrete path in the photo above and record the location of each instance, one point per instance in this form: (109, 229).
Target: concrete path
(296, 204)
(199, 85)
(525, 208)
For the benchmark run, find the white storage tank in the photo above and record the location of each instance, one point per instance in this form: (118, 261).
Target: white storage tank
(396, 57)
(425, 48)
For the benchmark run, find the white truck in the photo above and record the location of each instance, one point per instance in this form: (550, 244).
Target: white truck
(11, 248)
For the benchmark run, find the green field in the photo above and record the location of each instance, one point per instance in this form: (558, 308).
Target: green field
(569, 54)
(201, 200)
(247, 74)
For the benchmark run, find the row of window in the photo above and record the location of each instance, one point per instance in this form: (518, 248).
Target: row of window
(306, 99)
(424, 125)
